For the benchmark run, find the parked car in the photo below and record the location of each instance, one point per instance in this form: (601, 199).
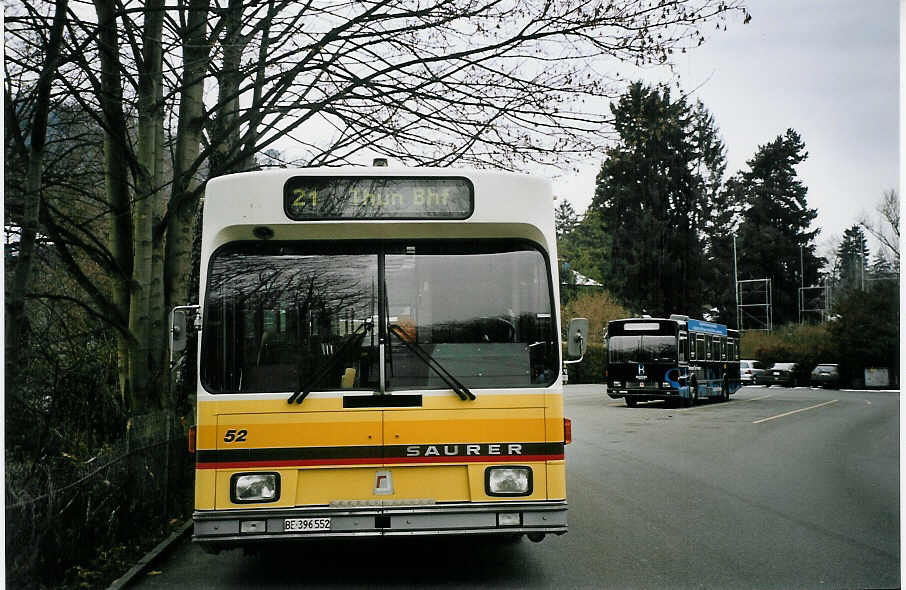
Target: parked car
(826, 375)
(778, 374)
(748, 369)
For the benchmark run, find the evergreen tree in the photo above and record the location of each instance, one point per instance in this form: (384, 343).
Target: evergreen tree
(775, 241)
(721, 227)
(883, 266)
(852, 259)
(565, 218)
(866, 331)
(721, 216)
(652, 198)
(585, 247)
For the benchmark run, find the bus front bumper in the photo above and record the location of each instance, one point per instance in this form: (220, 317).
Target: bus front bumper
(644, 394)
(222, 529)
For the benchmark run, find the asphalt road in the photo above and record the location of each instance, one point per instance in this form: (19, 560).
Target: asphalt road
(778, 488)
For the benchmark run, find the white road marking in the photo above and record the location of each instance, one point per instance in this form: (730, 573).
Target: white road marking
(795, 412)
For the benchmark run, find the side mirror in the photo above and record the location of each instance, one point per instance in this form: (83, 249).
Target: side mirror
(179, 329)
(577, 339)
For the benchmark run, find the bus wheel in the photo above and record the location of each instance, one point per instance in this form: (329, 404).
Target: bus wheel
(630, 403)
(693, 394)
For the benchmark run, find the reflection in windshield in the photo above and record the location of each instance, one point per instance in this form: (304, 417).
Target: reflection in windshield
(477, 311)
(642, 348)
(276, 316)
(271, 320)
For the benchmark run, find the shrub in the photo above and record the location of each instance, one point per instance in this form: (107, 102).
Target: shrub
(807, 345)
(592, 367)
(599, 307)
(866, 331)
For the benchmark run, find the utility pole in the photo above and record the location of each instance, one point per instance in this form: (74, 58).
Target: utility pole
(736, 285)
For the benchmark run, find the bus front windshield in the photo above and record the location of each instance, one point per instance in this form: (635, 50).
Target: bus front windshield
(642, 348)
(277, 316)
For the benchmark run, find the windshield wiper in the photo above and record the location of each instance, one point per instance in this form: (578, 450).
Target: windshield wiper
(333, 360)
(452, 382)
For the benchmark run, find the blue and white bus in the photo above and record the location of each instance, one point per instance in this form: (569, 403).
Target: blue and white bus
(676, 359)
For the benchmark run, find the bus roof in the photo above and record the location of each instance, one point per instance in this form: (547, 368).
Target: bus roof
(506, 205)
(700, 326)
(706, 327)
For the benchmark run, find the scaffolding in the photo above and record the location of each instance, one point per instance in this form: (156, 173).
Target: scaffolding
(814, 303)
(755, 305)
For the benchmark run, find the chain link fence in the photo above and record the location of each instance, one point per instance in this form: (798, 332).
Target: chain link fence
(63, 511)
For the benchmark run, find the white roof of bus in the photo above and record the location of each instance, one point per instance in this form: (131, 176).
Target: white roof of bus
(237, 203)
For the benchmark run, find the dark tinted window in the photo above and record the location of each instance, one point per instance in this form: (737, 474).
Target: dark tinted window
(643, 348)
(273, 318)
(279, 316)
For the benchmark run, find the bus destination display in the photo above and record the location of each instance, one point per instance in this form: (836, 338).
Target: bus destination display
(307, 198)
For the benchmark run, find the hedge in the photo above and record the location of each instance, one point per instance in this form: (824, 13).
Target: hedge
(591, 369)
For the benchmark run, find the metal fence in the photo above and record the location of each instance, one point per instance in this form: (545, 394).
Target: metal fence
(64, 511)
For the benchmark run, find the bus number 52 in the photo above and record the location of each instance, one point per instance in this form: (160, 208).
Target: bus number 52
(233, 435)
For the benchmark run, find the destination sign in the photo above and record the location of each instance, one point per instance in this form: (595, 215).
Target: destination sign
(707, 327)
(307, 198)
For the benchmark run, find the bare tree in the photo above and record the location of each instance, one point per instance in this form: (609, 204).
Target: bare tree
(199, 88)
(27, 137)
(887, 228)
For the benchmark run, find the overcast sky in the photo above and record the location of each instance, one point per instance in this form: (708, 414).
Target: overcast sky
(827, 69)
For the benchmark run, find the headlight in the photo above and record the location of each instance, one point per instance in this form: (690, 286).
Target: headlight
(254, 487)
(618, 384)
(508, 481)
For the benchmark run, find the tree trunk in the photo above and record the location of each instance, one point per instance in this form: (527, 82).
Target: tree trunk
(144, 374)
(184, 197)
(255, 115)
(225, 126)
(116, 175)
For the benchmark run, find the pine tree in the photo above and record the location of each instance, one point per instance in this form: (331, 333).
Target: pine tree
(775, 241)
(725, 215)
(565, 219)
(586, 247)
(652, 198)
(852, 259)
(882, 266)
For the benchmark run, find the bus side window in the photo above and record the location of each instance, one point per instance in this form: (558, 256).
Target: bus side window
(723, 349)
(700, 346)
(692, 356)
(708, 351)
(683, 347)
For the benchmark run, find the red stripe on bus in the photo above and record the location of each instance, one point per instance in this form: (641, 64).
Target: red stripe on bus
(369, 461)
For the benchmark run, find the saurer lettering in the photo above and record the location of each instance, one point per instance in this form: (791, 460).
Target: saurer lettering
(463, 450)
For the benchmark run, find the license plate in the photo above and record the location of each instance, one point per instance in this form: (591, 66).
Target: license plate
(305, 525)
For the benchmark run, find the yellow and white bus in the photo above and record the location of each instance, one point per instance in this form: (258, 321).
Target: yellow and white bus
(380, 355)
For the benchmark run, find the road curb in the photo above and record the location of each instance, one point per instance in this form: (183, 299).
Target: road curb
(149, 557)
